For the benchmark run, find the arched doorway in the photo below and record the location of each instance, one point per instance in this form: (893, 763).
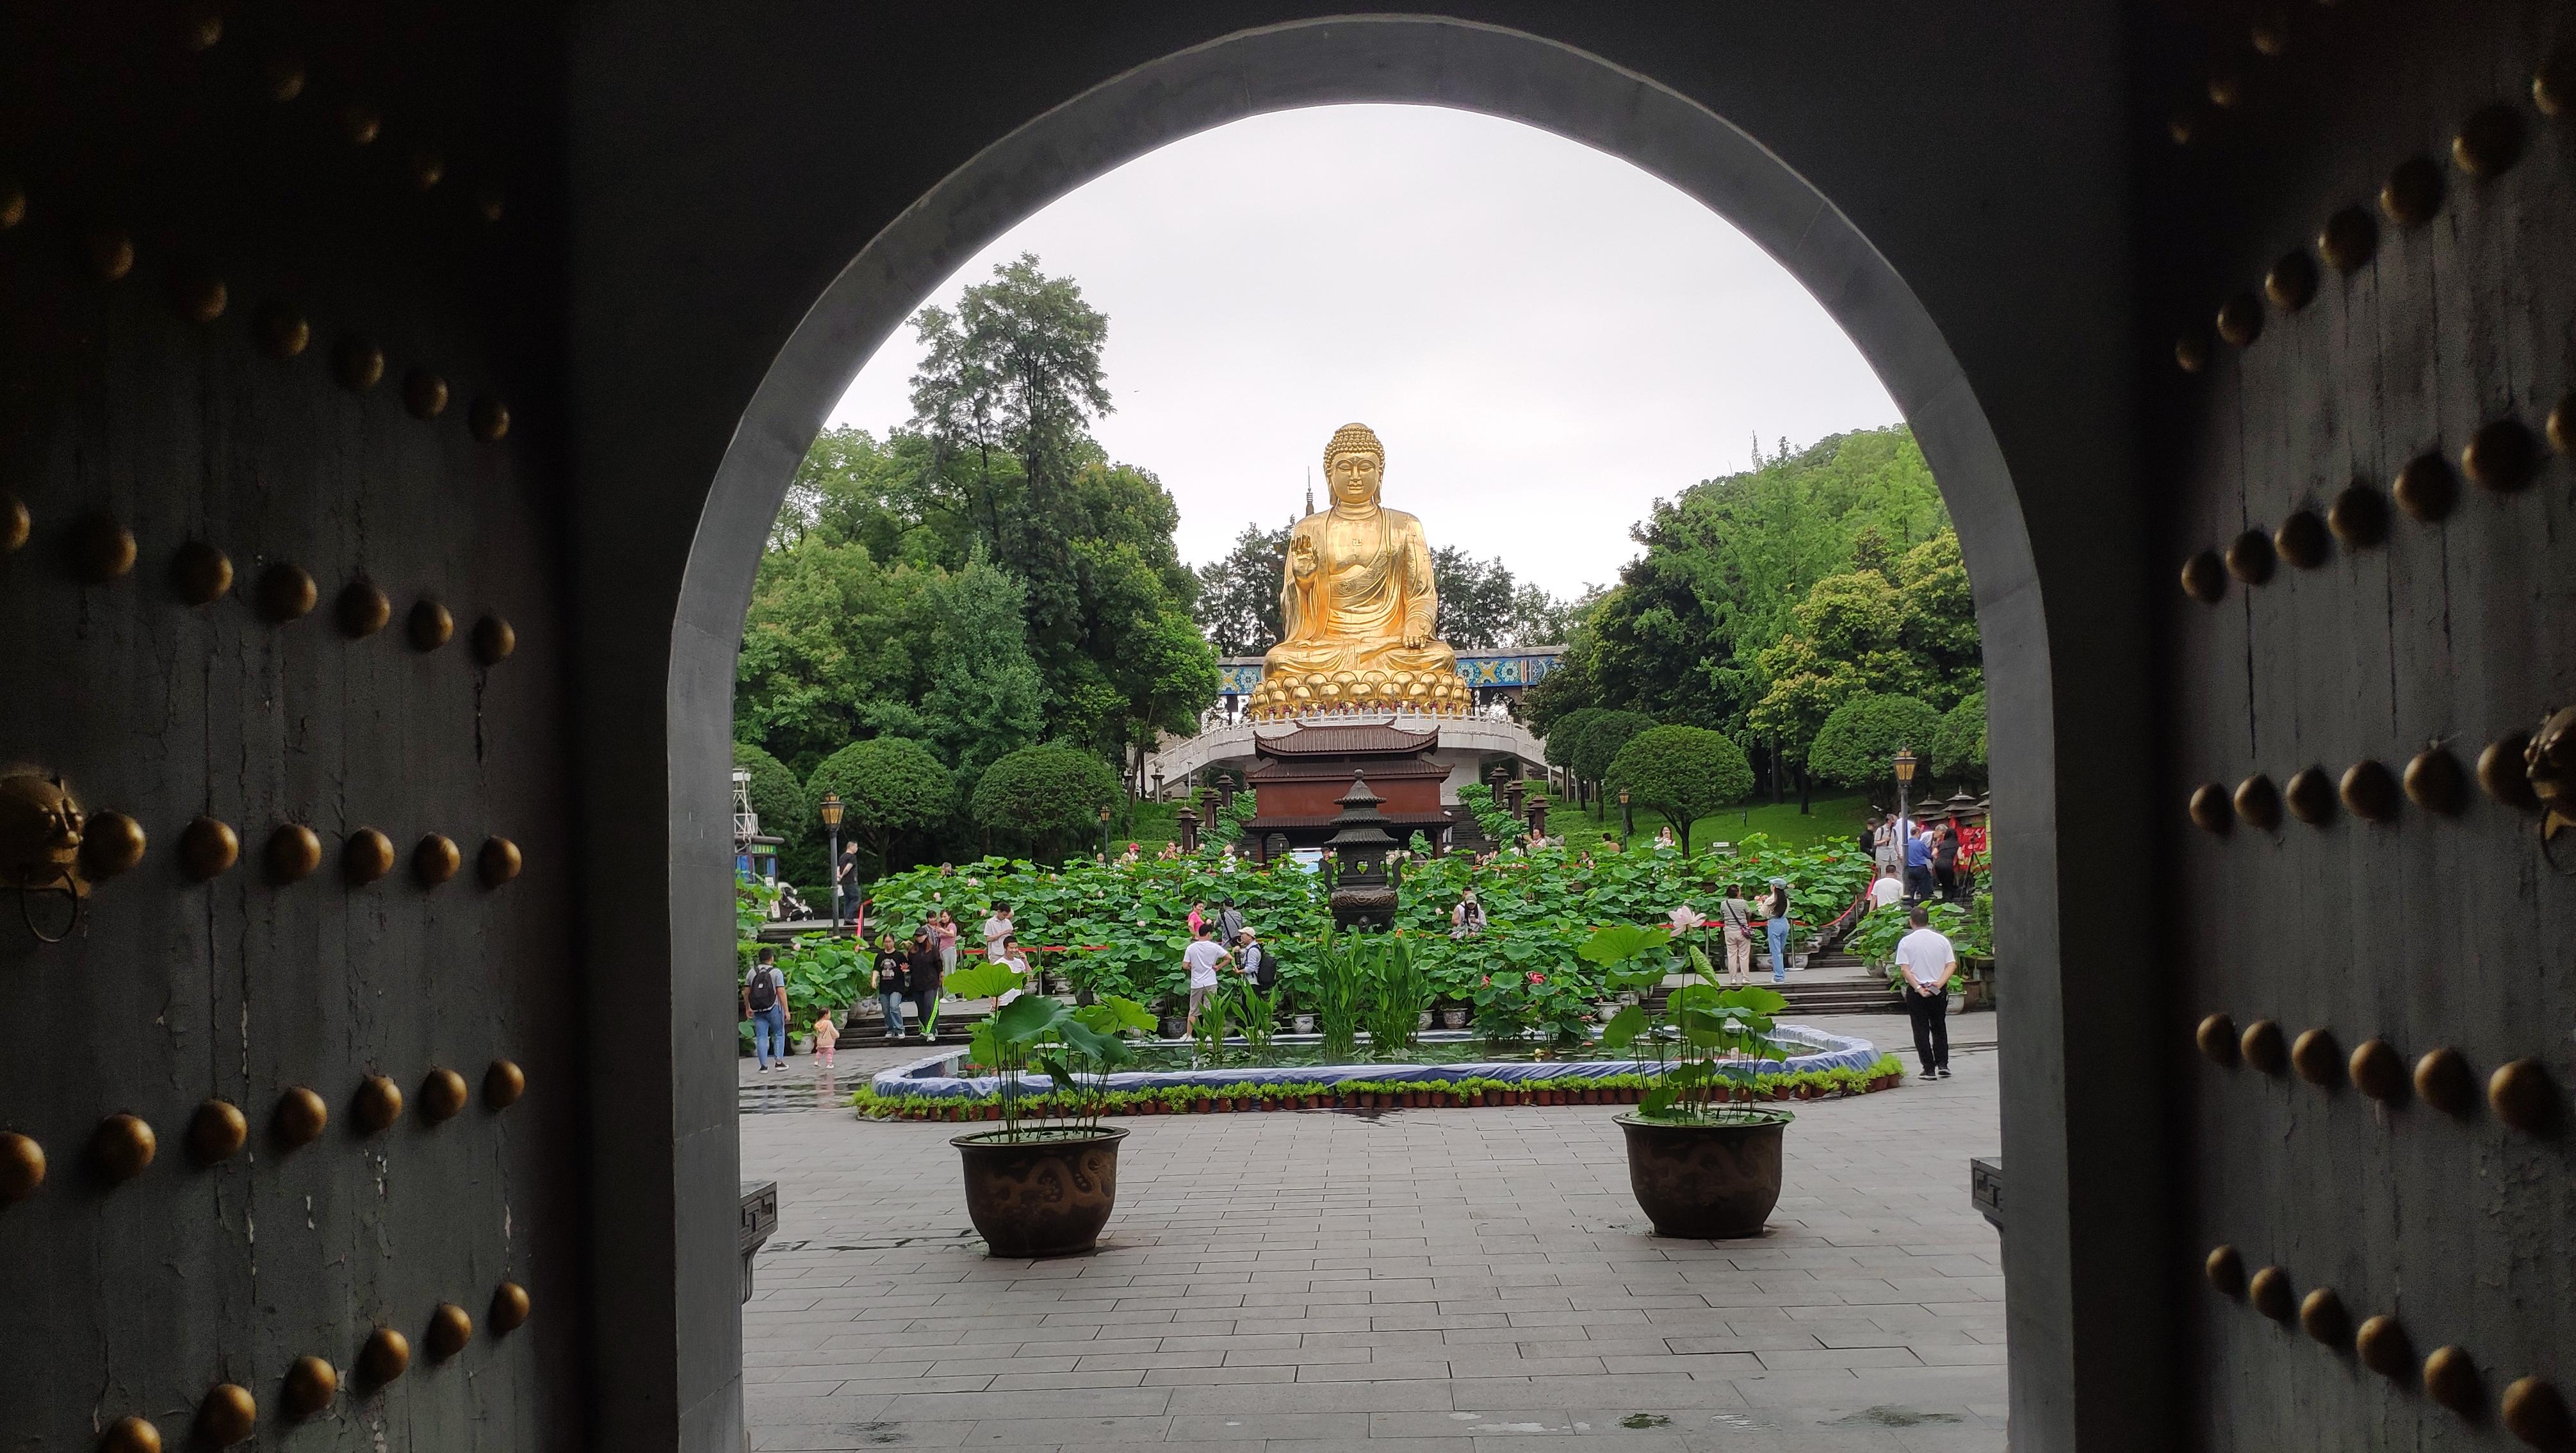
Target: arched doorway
(1539, 81)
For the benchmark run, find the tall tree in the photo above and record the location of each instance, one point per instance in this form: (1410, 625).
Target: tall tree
(1475, 599)
(981, 696)
(1239, 595)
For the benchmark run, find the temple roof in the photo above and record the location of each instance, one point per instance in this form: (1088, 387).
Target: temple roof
(1353, 739)
(1310, 770)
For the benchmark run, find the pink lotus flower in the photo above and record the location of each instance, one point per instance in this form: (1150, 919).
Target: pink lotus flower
(1538, 978)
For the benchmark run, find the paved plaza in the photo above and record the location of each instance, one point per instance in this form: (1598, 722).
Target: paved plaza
(1396, 1282)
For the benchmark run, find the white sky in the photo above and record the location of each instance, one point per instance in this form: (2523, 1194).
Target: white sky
(1546, 337)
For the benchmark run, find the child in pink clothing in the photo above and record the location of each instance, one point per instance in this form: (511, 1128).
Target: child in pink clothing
(826, 1034)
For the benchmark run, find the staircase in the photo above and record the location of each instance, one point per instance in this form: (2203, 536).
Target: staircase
(1831, 983)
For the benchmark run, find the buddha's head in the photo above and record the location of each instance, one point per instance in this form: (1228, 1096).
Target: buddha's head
(1354, 465)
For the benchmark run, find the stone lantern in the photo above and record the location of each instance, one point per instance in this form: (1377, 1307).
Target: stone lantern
(1362, 894)
(1188, 822)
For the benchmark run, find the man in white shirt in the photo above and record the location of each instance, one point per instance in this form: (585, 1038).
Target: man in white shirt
(1203, 957)
(997, 932)
(1927, 960)
(1889, 890)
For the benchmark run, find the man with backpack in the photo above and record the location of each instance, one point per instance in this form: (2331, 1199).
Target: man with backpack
(1255, 962)
(764, 1003)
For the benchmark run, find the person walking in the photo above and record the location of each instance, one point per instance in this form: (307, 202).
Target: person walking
(1203, 958)
(1775, 911)
(1737, 916)
(1229, 921)
(764, 1003)
(923, 975)
(892, 977)
(1254, 964)
(1886, 843)
(997, 932)
(826, 1035)
(1926, 960)
(947, 943)
(845, 883)
(1945, 863)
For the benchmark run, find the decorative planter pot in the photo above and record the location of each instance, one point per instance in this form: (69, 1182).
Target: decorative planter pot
(1175, 1026)
(1453, 1018)
(1424, 1021)
(1958, 1003)
(1305, 1023)
(1044, 1197)
(1706, 1182)
(1606, 1010)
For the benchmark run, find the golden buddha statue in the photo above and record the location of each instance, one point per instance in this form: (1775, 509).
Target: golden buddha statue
(1358, 605)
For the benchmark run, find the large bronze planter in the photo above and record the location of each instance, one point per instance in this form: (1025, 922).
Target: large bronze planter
(1712, 1182)
(1047, 1196)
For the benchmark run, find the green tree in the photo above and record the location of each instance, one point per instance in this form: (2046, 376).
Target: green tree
(829, 633)
(1044, 799)
(1600, 740)
(1565, 731)
(1727, 562)
(1561, 692)
(1239, 595)
(981, 695)
(1476, 598)
(892, 789)
(1681, 774)
(1959, 748)
(1858, 744)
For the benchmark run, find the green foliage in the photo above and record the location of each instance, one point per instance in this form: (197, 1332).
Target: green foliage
(1398, 991)
(1681, 774)
(1959, 747)
(1339, 996)
(1045, 799)
(1703, 1025)
(1727, 563)
(1857, 746)
(1597, 742)
(889, 787)
(1239, 595)
(1493, 820)
(1971, 931)
(1565, 730)
(1078, 1048)
(982, 697)
(1766, 1085)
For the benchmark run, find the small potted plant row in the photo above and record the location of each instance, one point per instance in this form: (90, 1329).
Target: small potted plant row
(1391, 1094)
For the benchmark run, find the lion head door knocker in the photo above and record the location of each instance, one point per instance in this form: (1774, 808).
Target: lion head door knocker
(40, 848)
(2550, 763)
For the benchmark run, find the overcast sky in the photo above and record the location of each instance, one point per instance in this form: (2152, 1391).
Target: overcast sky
(1546, 337)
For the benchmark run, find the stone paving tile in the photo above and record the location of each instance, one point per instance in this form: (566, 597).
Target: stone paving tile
(1440, 1281)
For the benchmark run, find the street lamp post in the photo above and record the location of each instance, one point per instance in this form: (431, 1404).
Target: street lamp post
(1104, 833)
(832, 830)
(1904, 822)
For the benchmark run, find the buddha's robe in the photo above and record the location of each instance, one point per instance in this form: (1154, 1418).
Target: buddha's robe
(1367, 587)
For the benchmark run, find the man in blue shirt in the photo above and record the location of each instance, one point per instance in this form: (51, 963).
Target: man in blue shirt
(1918, 864)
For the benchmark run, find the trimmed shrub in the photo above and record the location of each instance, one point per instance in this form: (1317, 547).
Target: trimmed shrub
(1681, 774)
(1857, 747)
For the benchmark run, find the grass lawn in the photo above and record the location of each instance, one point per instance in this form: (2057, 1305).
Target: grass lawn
(1828, 817)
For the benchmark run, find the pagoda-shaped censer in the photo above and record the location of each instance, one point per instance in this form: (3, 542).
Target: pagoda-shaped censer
(1362, 895)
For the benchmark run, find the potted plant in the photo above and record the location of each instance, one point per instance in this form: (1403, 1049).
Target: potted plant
(1044, 1184)
(1701, 1167)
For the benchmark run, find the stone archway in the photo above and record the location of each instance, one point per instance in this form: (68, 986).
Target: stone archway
(1519, 76)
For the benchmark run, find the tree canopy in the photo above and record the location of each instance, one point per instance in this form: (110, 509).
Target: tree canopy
(1598, 741)
(1044, 799)
(1681, 774)
(779, 800)
(986, 576)
(1858, 744)
(889, 787)
(1959, 749)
